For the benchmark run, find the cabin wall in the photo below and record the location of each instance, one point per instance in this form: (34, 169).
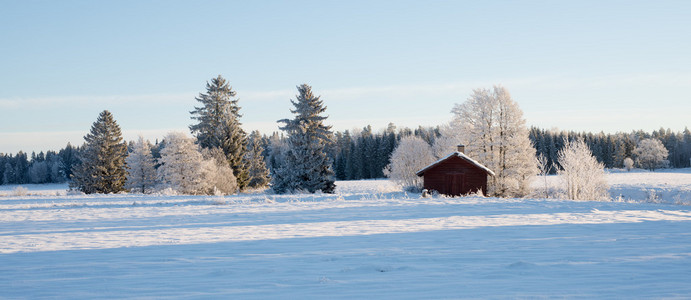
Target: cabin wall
(455, 177)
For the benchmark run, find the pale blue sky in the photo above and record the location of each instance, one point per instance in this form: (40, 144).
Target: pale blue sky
(577, 65)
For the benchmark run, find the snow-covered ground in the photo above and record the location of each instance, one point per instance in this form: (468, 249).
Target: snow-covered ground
(369, 240)
(662, 186)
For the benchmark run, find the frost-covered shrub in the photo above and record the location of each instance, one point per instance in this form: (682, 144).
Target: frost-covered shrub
(185, 170)
(219, 174)
(20, 191)
(411, 155)
(628, 164)
(582, 175)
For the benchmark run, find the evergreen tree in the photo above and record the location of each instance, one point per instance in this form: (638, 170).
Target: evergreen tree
(102, 167)
(70, 158)
(8, 175)
(307, 166)
(142, 172)
(21, 168)
(258, 173)
(219, 126)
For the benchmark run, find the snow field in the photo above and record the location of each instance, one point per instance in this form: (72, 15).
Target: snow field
(369, 240)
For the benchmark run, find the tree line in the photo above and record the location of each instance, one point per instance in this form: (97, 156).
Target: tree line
(48, 167)
(613, 149)
(363, 154)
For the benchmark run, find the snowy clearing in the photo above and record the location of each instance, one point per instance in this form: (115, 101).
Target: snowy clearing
(369, 240)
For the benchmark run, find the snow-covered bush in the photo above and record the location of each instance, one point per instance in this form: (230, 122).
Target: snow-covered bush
(651, 154)
(582, 175)
(628, 164)
(411, 155)
(185, 170)
(218, 173)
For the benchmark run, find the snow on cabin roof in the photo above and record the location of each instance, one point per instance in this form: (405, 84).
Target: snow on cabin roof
(459, 154)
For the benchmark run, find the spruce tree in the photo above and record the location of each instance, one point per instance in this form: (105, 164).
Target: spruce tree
(102, 167)
(219, 126)
(306, 167)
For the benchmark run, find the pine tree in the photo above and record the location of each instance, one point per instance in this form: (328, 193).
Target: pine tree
(258, 173)
(219, 126)
(142, 172)
(307, 167)
(102, 167)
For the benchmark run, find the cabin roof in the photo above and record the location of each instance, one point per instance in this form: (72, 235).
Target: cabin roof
(457, 154)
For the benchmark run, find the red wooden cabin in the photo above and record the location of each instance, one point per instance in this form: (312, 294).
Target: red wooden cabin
(455, 175)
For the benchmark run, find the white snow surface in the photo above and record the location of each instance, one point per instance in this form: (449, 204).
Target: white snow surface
(369, 240)
(661, 186)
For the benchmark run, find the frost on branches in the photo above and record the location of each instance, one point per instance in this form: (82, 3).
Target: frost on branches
(447, 142)
(651, 154)
(306, 165)
(142, 176)
(583, 175)
(495, 134)
(102, 167)
(411, 155)
(185, 170)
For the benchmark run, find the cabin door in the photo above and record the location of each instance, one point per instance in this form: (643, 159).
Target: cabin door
(455, 183)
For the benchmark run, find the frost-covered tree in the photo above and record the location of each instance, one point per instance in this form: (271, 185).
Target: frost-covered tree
(628, 164)
(544, 168)
(582, 174)
(142, 175)
(411, 155)
(182, 165)
(448, 141)
(219, 126)
(258, 173)
(495, 134)
(306, 166)
(651, 154)
(102, 167)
